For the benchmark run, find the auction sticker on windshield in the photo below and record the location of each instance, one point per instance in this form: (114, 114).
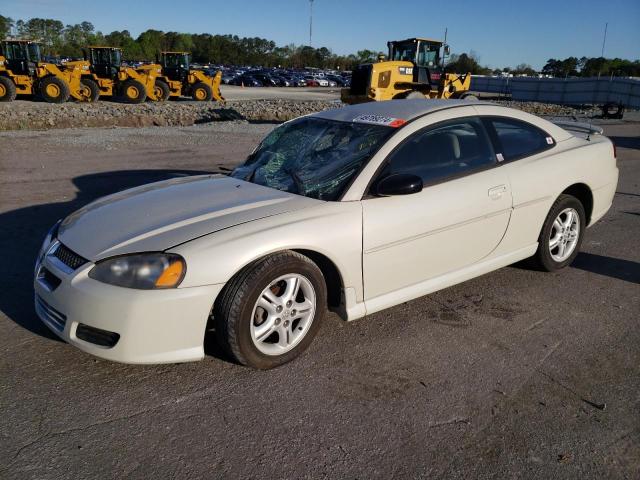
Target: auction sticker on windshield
(380, 120)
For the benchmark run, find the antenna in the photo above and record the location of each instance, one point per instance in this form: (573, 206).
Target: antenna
(310, 20)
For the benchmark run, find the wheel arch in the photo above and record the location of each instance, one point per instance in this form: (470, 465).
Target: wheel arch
(330, 271)
(584, 194)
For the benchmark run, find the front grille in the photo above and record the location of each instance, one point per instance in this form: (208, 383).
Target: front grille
(361, 79)
(97, 336)
(50, 315)
(70, 258)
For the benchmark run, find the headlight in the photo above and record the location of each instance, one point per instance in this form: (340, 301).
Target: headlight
(51, 235)
(145, 271)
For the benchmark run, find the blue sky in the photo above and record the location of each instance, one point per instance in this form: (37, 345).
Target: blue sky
(501, 32)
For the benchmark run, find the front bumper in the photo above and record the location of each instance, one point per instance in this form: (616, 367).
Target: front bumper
(154, 326)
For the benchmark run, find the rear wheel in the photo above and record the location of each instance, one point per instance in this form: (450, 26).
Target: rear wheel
(469, 96)
(133, 91)
(270, 312)
(561, 235)
(7, 90)
(201, 92)
(90, 90)
(54, 90)
(161, 90)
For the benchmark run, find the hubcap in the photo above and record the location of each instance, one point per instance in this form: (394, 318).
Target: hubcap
(564, 234)
(132, 92)
(283, 314)
(3, 91)
(200, 94)
(52, 90)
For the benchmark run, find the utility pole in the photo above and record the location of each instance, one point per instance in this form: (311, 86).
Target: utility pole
(604, 40)
(310, 20)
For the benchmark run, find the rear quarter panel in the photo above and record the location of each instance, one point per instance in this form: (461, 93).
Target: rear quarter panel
(537, 181)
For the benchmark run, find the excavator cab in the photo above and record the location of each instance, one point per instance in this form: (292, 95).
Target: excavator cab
(105, 61)
(175, 65)
(21, 56)
(423, 53)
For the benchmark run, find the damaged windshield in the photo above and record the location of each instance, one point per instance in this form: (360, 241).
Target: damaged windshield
(313, 157)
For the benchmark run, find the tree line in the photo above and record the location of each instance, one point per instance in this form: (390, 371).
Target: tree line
(61, 40)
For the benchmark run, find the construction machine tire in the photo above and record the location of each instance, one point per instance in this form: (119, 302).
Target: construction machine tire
(201, 92)
(469, 96)
(415, 94)
(92, 91)
(162, 91)
(7, 90)
(54, 90)
(133, 91)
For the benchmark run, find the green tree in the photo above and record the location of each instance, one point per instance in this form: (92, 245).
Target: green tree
(6, 24)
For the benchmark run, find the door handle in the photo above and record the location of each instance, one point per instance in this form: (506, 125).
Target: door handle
(496, 192)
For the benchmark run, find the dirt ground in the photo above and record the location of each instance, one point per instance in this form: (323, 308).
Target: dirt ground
(516, 374)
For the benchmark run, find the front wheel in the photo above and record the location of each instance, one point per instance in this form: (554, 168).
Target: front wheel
(54, 90)
(269, 313)
(201, 92)
(133, 91)
(561, 235)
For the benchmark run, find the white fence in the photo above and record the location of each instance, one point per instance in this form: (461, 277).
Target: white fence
(570, 91)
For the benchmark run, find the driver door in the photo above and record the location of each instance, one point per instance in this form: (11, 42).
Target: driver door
(458, 218)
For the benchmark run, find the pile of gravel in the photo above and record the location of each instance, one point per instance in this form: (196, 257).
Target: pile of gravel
(21, 115)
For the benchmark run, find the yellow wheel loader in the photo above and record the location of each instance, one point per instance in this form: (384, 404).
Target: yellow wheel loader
(413, 70)
(178, 79)
(22, 71)
(103, 70)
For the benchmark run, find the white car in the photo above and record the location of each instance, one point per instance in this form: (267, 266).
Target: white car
(354, 209)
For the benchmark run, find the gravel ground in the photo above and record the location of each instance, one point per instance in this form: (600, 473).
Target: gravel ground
(516, 374)
(257, 104)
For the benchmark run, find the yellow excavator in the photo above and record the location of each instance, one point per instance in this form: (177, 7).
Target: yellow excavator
(106, 76)
(413, 69)
(179, 79)
(22, 71)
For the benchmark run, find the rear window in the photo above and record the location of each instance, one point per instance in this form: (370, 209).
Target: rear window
(519, 139)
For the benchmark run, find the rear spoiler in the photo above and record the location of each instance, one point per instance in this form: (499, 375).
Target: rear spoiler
(580, 128)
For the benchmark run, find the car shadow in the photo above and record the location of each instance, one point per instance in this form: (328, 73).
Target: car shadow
(24, 229)
(626, 270)
(626, 142)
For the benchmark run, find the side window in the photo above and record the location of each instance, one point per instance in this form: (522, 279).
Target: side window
(442, 151)
(520, 139)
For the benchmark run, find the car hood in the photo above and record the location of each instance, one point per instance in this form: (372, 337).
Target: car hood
(160, 215)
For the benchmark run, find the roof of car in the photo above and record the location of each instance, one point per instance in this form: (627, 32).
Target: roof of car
(397, 109)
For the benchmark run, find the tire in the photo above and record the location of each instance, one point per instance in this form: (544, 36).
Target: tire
(7, 90)
(414, 94)
(201, 92)
(544, 258)
(93, 89)
(133, 91)
(470, 96)
(54, 90)
(162, 90)
(236, 312)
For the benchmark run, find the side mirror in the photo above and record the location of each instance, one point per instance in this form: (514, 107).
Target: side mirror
(399, 184)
